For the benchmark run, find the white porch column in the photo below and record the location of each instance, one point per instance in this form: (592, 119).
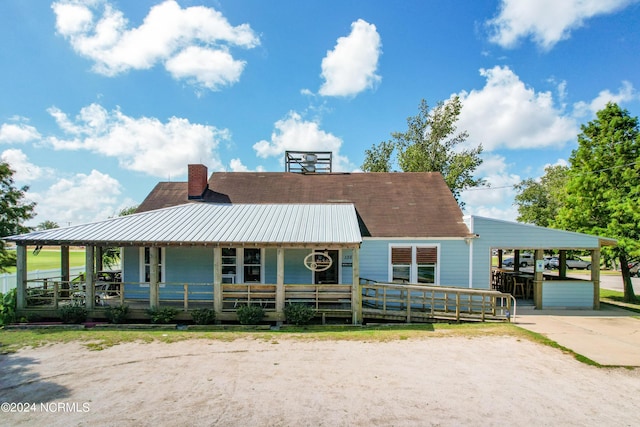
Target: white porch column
(356, 292)
(595, 277)
(154, 276)
(217, 281)
(21, 276)
(280, 300)
(89, 278)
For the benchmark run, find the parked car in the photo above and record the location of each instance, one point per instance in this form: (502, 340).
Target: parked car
(107, 288)
(552, 263)
(633, 269)
(525, 260)
(572, 262)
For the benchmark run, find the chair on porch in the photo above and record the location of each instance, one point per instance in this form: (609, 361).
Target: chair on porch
(519, 284)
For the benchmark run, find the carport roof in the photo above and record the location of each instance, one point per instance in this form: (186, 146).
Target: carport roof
(204, 224)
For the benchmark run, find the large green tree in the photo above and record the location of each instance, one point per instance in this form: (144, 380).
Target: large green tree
(539, 201)
(430, 144)
(14, 211)
(603, 187)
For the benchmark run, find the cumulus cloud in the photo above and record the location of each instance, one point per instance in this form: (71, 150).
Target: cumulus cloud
(236, 165)
(294, 133)
(546, 21)
(351, 66)
(23, 171)
(626, 93)
(80, 198)
(143, 144)
(506, 113)
(193, 43)
(11, 133)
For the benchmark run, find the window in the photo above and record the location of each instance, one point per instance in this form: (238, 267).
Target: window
(145, 265)
(242, 265)
(252, 265)
(414, 264)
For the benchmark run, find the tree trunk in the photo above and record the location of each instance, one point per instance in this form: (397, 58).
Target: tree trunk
(629, 295)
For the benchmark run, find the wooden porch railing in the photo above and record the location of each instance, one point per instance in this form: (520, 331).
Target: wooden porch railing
(423, 303)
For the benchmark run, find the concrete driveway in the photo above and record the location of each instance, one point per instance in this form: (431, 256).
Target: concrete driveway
(609, 336)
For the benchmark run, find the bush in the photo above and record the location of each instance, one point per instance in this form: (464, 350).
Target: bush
(299, 314)
(162, 315)
(203, 316)
(250, 314)
(117, 314)
(8, 303)
(73, 314)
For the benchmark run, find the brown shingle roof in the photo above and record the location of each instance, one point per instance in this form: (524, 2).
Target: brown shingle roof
(388, 204)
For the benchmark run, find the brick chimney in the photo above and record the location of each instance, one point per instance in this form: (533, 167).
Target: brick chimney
(197, 181)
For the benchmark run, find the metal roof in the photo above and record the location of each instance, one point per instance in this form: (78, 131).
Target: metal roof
(217, 224)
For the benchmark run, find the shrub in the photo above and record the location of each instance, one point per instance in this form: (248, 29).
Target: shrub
(250, 314)
(299, 314)
(73, 314)
(162, 315)
(203, 316)
(8, 303)
(117, 314)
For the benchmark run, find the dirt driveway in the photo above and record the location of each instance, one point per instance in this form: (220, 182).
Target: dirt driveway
(493, 381)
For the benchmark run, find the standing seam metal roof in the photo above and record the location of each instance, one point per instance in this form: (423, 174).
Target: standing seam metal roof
(206, 223)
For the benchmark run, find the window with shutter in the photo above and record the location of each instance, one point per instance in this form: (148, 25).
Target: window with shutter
(414, 264)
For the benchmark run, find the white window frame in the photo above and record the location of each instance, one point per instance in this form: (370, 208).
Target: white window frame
(239, 276)
(413, 267)
(142, 266)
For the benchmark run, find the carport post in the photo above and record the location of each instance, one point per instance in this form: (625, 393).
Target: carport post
(595, 277)
(537, 281)
(154, 274)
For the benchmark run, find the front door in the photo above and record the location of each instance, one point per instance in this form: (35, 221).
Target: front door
(329, 276)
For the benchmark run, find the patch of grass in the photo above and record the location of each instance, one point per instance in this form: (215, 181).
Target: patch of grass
(49, 259)
(617, 298)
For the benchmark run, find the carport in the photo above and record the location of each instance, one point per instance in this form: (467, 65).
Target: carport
(549, 290)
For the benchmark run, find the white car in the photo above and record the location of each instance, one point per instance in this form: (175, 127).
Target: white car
(572, 262)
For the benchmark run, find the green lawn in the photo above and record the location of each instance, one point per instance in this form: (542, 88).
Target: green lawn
(49, 259)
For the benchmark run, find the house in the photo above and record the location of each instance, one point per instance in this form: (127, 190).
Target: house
(353, 245)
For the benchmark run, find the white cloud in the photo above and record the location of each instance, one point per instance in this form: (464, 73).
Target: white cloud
(24, 171)
(237, 166)
(351, 66)
(142, 144)
(506, 113)
(18, 133)
(79, 199)
(205, 67)
(625, 94)
(294, 133)
(546, 21)
(192, 42)
(498, 197)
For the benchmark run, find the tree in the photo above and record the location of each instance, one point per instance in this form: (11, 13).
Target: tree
(47, 225)
(539, 201)
(603, 187)
(14, 211)
(430, 144)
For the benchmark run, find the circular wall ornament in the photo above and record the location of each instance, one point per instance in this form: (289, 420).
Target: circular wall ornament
(318, 261)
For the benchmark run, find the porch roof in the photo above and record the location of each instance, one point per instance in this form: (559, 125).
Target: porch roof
(292, 225)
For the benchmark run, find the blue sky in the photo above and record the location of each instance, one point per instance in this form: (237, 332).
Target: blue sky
(102, 99)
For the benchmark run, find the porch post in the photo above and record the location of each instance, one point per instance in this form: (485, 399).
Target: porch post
(595, 277)
(562, 265)
(154, 300)
(280, 297)
(21, 275)
(89, 279)
(356, 293)
(217, 281)
(537, 281)
(99, 253)
(64, 270)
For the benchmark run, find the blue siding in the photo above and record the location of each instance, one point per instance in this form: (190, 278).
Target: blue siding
(454, 260)
(294, 269)
(188, 264)
(131, 264)
(572, 294)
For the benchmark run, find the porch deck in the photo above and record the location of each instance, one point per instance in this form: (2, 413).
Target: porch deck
(378, 301)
